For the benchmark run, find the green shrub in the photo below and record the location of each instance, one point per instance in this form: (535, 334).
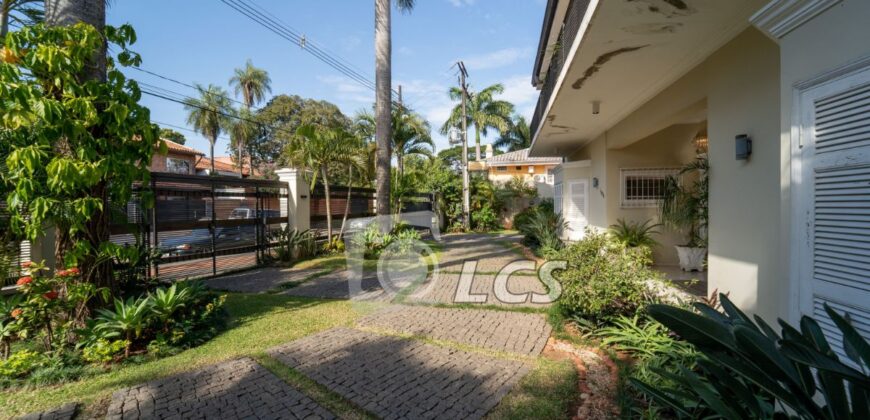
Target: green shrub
(635, 234)
(650, 344)
(104, 351)
(751, 371)
(485, 219)
(292, 244)
(604, 278)
(541, 228)
(20, 364)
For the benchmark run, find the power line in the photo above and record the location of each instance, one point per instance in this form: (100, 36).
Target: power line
(267, 21)
(178, 127)
(178, 82)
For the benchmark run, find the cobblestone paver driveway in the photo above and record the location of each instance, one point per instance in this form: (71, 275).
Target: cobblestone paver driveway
(394, 377)
(504, 331)
(235, 389)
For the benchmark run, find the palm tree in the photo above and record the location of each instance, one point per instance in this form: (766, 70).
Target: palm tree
(383, 96)
(410, 136)
(210, 115)
(483, 111)
(70, 12)
(318, 149)
(26, 13)
(244, 129)
(252, 84)
(517, 137)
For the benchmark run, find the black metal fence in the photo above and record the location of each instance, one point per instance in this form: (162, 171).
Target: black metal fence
(204, 226)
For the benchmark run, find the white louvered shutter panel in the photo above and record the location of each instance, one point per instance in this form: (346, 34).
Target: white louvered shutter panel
(577, 209)
(836, 161)
(557, 198)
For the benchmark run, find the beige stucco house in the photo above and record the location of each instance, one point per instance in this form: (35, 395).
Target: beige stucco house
(535, 171)
(631, 90)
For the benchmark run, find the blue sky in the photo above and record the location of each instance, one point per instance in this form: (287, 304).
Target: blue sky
(204, 40)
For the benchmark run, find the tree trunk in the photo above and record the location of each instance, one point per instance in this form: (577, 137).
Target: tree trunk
(400, 164)
(477, 142)
(328, 205)
(347, 203)
(383, 82)
(92, 12)
(4, 18)
(211, 154)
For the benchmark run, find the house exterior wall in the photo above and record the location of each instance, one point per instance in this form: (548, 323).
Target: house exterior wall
(158, 161)
(545, 189)
(739, 86)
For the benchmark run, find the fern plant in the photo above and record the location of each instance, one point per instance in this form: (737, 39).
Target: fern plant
(635, 234)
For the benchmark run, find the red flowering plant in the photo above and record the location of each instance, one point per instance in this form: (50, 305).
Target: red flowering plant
(52, 306)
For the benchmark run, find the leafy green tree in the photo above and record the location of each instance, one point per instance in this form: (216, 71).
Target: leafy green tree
(452, 157)
(76, 141)
(252, 84)
(411, 134)
(317, 149)
(172, 135)
(242, 132)
(282, 116)
(384, 95)
(210, 115)
(484, 112)
(517, 137)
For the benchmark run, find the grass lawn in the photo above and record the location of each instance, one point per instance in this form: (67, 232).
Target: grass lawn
(547, 392)
(257, 323)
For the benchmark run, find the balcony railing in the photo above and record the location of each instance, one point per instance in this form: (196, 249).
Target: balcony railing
(560, 50)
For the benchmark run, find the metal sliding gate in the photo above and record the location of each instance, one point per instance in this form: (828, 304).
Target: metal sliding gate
(205, 226)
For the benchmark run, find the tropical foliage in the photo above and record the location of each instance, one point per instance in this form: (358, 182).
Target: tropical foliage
(635, 234)
(748, 370)
(411, 134)
(484, 112)
(541, 227)
(252, 84)
(517, 137)
(604, 278)
(210, 115)
(76, 143)
(172, 135)
(685, 201)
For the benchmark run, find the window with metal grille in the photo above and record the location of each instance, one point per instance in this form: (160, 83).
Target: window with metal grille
(177, 166)
(501, 168)
(643, 187)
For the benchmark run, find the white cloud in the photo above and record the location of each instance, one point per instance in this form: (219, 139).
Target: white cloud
(519, 91)
(496, 59)
(349, 92)
(460, 3)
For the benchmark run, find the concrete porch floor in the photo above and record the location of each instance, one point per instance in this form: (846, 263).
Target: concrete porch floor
(694, 282)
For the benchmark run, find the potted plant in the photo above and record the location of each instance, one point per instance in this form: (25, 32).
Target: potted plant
(684, 208)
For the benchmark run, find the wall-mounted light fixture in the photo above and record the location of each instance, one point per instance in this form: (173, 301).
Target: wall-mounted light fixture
(596, 107)
(594, 182)
(700, 142)
(743, 147)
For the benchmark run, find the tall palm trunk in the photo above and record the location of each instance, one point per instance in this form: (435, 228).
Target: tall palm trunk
(4, 17)
(400, 164)
(383, 82)
(346, 203)
(323, 173)
(477, 142)
(211, 154)
(96, 232)
(241, 159)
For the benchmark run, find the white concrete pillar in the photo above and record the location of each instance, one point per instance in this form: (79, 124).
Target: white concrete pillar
(297, 206)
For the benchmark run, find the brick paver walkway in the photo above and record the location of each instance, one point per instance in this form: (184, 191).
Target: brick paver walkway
(394, 377)
(64, 412)
(488, 250)
(234, 389)
(505, 331)
(444, 287)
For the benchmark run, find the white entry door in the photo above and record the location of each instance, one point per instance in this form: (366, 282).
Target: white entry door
(831, 180)
(576, 209)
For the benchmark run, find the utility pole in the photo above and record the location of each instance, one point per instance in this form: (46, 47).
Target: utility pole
(466, 202)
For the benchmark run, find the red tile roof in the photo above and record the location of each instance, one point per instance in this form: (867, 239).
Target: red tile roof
(180, 148)
(222, 163)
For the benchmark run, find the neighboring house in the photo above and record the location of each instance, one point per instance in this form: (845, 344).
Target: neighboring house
(223, 165)
(535, 171)
(628, 86)
(179, 159)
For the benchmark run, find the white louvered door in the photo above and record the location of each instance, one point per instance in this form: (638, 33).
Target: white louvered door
(577, 208)
(833, 199)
